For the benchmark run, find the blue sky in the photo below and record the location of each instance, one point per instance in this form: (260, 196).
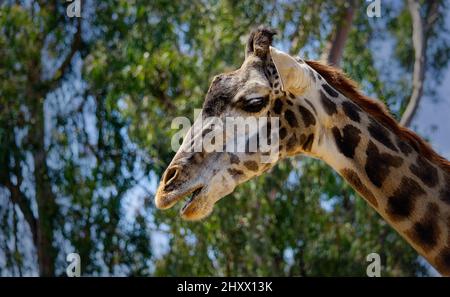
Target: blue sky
(436, 115)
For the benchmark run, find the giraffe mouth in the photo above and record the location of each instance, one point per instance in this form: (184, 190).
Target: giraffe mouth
(167, 200)
(192, 196)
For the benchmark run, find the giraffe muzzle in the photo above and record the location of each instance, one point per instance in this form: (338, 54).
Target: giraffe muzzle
(199, 191)
(165, 200)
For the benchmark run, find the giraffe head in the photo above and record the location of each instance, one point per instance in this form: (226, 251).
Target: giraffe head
(254, 93)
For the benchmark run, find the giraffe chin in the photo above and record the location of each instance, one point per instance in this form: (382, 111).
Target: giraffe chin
(202, 199)
(198, 207)
(201, 204)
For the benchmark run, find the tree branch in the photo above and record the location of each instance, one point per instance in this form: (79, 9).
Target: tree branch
(420, 28)
(336, 46)
(16, 195)
(63, 68)
(19, 199)
(432, 15)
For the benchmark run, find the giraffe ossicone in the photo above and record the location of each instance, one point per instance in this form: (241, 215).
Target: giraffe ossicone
(322, 114)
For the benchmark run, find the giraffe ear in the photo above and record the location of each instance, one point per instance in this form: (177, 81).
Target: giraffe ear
(259, 41)
(294, 75)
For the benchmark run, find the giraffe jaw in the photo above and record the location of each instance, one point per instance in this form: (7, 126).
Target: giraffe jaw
(198, 206)
(165, 200)
(202, 199)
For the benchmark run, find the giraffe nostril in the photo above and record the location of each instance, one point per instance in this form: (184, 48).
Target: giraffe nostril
(171, 175)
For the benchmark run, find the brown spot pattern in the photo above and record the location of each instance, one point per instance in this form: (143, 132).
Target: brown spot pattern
(234, 159)
(425, 232)
(290, 118)
(425, 171)
(404, 147)
(328, 105)
(381, 134)
(330, 90)
(401, 203)
(351, 110)
(354, 180)
(444, 193)
(307, 117)
(347, 142)
(283, 132)
(378, 164)
(277, 106)
(251, 165)
(235, 173)
(307, 145)
(442, 261)
(291, 143)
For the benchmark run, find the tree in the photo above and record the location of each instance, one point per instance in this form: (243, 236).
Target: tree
(422, 29)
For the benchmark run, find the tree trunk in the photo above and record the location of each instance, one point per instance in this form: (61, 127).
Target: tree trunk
(335, 48)
(420, 27)
(44, 196)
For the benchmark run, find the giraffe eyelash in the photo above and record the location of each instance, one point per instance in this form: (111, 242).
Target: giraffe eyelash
(255, 104)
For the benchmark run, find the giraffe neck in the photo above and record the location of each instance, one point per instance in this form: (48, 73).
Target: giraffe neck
(409, 191)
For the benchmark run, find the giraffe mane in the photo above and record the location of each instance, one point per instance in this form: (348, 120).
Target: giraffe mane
(341, 82)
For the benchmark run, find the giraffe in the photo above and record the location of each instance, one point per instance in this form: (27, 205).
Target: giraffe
(322, 114)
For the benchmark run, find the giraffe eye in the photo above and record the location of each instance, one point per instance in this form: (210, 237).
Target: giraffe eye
(255, 104)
